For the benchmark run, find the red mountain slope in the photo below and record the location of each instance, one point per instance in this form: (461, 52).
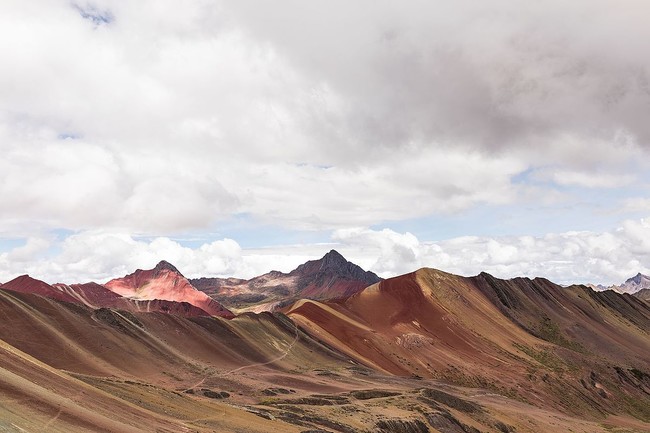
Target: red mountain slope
(27, 284)
(531, 338)
(165, 282)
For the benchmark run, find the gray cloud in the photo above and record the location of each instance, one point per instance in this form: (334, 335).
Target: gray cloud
(316, 115)
(495, 74)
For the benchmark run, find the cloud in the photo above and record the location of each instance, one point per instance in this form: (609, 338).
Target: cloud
(409, 185)
(100, 256)
(496, 74)
(587, 179)
(566, 258)
(32, 248)
(635, 204)
(160, 118)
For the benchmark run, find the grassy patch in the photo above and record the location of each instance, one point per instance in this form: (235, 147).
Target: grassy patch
(545, 357)
(638, 408)
(550, 331)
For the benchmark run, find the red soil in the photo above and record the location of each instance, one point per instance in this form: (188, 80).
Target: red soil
(164, 282)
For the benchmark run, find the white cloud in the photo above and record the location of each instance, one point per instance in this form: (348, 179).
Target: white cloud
(409, 185)
(33, 247)
(181, 114)
(100, 256)
(167, 118)
(588, 179)
(570, 257)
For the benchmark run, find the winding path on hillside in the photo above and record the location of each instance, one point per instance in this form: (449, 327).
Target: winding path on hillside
(283, 355)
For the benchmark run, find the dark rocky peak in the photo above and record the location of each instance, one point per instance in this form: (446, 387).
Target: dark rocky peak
(165, 265)
(334, 263)
(334, 259)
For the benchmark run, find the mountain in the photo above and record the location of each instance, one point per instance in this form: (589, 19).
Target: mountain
(634, 284)
(69, 368)
(27, 284)
(93, 295)
(165, 282)
(528, 338)
(423, 352)
(96, 296)
(631, 285)
(331, 277)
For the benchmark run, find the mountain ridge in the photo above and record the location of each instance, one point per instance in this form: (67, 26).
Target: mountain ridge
(481, 329)
(420, 351)
(330, 277)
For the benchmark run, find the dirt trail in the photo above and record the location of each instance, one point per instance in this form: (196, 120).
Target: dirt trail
(257, 364)
(278, 358)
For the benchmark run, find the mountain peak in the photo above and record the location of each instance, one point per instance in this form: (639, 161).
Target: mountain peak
(165, 265)
(334, 258)
(634, 284)
(334, 264)
(637, 278)
(164, 283)
(27, 284)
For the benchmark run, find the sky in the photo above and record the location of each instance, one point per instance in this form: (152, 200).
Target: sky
(233, 138)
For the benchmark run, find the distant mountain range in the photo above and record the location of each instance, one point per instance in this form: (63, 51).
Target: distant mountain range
(165, 289)
(95, 296)
(638, 285)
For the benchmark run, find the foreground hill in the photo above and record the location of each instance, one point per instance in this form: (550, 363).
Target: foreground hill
(572, 349)
(331, 277)
(165, 282)
(643, 294)
(65, 367)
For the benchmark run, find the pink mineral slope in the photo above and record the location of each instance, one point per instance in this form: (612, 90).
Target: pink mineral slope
(165, 282)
